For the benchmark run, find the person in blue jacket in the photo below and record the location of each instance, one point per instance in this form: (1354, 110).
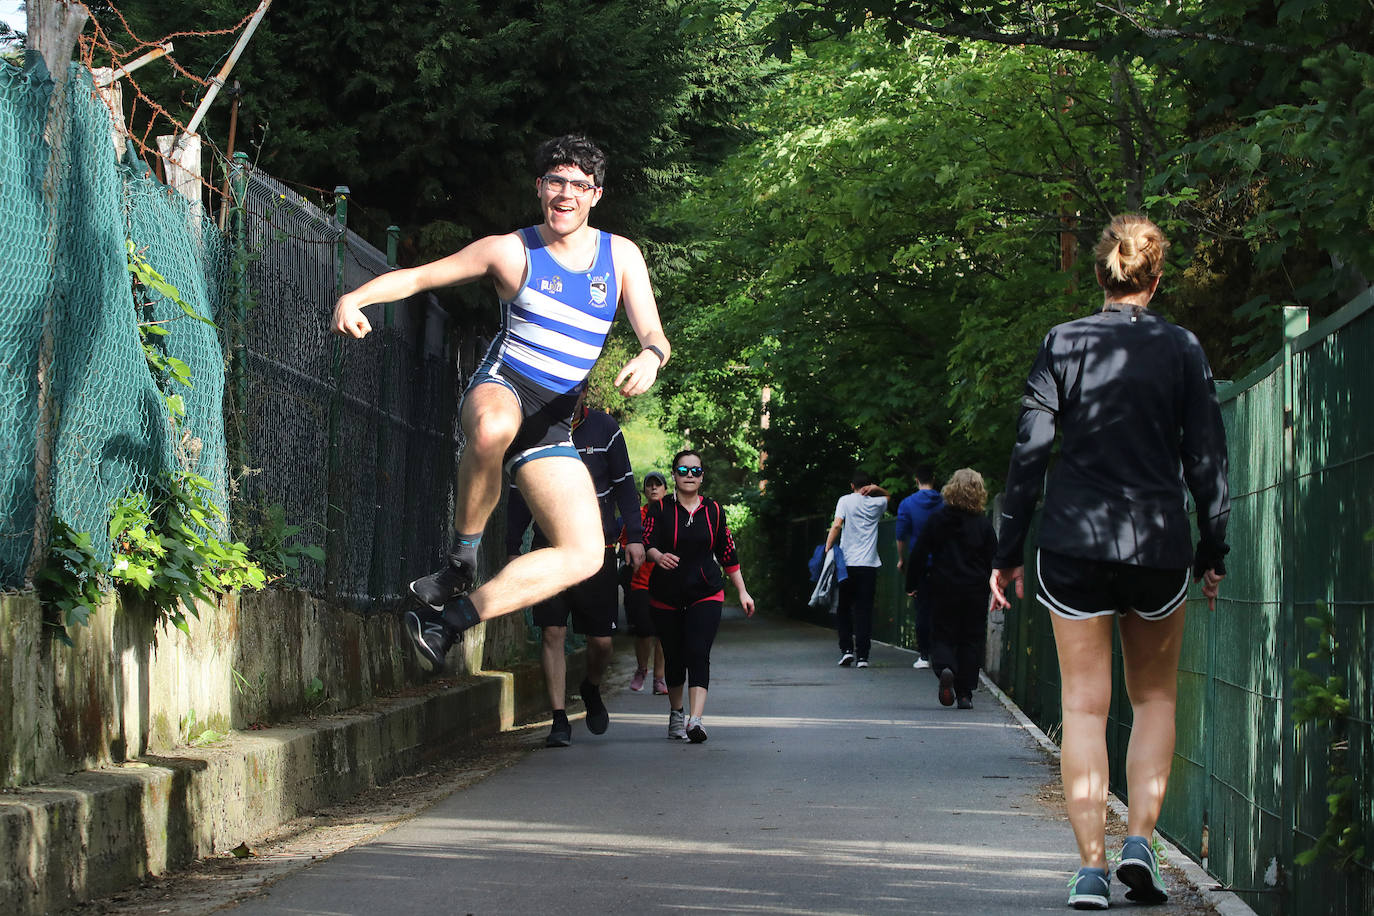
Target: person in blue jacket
(912, 515)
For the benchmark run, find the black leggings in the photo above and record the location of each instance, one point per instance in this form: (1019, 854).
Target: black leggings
(686, 635)
(959, 624)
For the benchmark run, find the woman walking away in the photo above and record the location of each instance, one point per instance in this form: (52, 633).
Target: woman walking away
(689, 542)
(1133, 399)
(960, 544)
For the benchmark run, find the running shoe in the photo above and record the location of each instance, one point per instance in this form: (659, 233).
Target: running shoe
(660, 687)
(1139, 870)
(1089, 889)
(965, 702)
(597, 717)
(846, 660)
(677, 725)
(946, 687)
(861, 663)
(637, 682)
(921, 662)
(560, 733)
(439, 588)
(429, 636)
(695, 733)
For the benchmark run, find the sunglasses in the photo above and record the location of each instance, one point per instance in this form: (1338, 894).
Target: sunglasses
(682, 471)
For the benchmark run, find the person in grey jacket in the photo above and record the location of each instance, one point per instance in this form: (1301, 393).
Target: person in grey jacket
(1133, 400)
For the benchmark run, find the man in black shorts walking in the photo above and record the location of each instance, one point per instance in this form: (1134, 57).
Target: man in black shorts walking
(594, 604)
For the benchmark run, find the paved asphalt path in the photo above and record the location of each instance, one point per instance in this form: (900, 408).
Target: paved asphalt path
(821, 790)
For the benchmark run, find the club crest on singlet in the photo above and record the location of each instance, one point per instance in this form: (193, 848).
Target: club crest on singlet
(598, 290)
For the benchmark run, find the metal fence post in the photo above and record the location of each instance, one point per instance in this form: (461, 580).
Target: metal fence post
(1294, 324)
(335, 542)
(237, 336)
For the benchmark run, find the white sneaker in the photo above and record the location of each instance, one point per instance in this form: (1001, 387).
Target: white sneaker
(846, 660)
(695, 733)
(677, 725)
(861, 663)
(921, 662)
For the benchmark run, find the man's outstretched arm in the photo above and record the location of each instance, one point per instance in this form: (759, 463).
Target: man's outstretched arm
(494, 256)
(637, 294)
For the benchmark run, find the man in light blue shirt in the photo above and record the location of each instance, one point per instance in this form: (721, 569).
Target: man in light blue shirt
(856, 528)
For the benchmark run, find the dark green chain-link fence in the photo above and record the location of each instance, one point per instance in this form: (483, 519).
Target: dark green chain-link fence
(355, 438)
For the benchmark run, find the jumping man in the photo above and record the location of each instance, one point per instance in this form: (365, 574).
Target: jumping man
(559, 284)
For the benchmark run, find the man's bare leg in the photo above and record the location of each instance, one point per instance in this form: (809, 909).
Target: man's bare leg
(554, 661)
(559, 492)
(491, 418)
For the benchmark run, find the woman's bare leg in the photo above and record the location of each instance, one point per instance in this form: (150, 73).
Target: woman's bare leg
(1085, 676)
(1150, 649)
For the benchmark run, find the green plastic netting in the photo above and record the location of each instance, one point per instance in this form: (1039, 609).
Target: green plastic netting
(63, 228)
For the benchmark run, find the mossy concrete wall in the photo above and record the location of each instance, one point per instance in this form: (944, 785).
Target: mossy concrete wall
(105, 786)
(132, 685)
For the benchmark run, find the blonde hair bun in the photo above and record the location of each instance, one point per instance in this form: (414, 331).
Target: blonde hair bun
(1130, 254)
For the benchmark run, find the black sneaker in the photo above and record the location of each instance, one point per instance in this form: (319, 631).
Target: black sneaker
(560, 734)
(965, 702)
(946, 687)
(439, 588)
(429, 636)
(846, 660)
(597, 717)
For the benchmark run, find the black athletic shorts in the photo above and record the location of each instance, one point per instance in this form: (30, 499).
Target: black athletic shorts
(593, 605)
(1078, 588)
(546, 424)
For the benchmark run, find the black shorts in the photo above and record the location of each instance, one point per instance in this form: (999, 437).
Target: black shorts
(546, 424)
(1077, 588)
(593, 605)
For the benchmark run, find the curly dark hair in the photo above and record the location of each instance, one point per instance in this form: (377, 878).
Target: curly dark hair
(571, 149)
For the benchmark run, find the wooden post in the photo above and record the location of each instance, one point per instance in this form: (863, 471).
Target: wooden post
(53, 28)
(182, 166)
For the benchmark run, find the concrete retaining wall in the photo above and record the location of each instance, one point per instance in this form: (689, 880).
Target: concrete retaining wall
(106, 728)
(132, 686)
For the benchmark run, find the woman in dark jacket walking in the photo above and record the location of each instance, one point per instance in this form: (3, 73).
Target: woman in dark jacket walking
(688, 542)
(961, 544)
(1132, 399)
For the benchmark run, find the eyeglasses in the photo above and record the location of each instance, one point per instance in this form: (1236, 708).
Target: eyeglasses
(558, 184)
(683, 471)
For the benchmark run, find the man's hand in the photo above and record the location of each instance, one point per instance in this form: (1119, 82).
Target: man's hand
(636, 554)
(1000, 579)
(349, 320)
(638, 374)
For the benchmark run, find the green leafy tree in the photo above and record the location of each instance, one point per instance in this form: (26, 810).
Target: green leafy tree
(430, 114)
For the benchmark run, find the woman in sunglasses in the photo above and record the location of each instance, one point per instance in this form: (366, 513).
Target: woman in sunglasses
(689, 543)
